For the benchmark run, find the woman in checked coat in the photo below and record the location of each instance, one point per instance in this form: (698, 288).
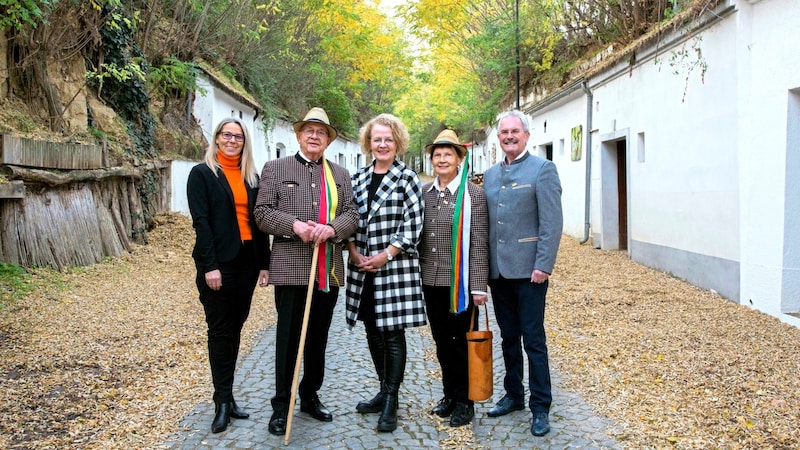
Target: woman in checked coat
(384, 284)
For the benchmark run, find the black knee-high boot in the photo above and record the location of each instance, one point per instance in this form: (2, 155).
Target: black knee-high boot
(395, 343)
(376, 350)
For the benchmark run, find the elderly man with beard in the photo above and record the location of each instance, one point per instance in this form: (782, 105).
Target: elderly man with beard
(525, 223)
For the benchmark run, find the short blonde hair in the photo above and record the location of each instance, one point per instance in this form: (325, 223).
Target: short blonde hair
(399, 132)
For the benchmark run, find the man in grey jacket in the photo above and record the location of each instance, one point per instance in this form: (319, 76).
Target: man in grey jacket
(525, 222)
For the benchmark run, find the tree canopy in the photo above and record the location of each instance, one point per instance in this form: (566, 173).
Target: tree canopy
(434, 63)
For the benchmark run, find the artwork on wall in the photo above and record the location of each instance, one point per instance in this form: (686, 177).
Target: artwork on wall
(577, 143)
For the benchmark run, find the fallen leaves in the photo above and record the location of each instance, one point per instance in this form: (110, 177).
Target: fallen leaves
(114, 355)
(672, 364)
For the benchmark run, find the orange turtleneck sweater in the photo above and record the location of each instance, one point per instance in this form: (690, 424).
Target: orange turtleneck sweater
(233, 173)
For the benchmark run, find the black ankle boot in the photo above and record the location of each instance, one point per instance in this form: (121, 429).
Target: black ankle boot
(238, 413)
(372, 406)
(222, 417)
(395, 342)
(388, 420)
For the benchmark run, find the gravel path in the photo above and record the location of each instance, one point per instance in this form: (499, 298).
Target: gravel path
(114, 356)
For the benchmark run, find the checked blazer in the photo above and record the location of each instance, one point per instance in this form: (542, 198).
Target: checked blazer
(395, 217)
(289, 191)
(436, 245)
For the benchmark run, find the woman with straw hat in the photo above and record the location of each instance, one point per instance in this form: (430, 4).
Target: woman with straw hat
(454, 253)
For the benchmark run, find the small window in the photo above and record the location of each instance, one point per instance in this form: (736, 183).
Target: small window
(640, 146)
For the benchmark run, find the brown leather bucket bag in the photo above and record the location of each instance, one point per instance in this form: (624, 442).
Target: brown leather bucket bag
(479, 357)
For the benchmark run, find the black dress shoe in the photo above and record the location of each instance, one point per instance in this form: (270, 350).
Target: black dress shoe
(541, 424)
(222, 417)
(277, 423)
(316, 409)
(445, 407)
(504, 406)
(238, 413)
(462, 415)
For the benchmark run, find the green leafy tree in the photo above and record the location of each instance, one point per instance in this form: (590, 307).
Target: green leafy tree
(363, 50)
(16, 14)
(121, 75)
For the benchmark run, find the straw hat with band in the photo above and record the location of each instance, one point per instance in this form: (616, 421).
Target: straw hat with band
(447, 138)
(316, 115)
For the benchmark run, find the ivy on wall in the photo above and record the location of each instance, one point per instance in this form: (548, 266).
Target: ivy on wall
(121, 77)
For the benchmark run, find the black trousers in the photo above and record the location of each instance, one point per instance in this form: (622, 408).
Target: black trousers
(450, 335)
(290, 304)
(226, 311)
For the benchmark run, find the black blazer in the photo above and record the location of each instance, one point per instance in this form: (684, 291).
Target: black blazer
(214, 220)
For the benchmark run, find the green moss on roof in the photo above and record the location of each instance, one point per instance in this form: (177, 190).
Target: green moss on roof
(219, 77)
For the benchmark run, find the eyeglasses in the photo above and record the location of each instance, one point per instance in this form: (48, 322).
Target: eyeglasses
(226, 136)
(311, 132)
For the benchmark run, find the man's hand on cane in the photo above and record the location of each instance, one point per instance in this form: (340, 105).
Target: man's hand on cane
(320, 232)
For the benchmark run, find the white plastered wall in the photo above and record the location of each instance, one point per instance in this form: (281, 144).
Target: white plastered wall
(770, 78)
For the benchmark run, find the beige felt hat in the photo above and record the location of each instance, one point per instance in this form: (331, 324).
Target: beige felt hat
(447, 137)
(316, 115)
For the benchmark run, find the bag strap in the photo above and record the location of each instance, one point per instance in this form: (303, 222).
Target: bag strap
(472, 324)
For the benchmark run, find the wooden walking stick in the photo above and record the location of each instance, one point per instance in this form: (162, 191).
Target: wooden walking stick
(302, 346)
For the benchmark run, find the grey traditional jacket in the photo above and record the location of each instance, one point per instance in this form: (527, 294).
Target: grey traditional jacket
(525, 217)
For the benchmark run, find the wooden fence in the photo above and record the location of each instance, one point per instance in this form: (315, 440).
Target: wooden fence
(51, 155)
(78, 215)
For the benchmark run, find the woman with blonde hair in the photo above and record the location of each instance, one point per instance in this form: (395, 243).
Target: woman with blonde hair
(230, 253)
(384, 285)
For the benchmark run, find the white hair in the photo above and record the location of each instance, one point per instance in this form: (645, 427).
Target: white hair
(519, 115)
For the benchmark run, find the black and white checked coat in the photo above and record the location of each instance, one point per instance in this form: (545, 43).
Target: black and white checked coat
(289, 190)
(436, 246)
(395, 218)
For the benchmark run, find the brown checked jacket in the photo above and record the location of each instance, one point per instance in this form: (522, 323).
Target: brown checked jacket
(436, 245)
(289, 191)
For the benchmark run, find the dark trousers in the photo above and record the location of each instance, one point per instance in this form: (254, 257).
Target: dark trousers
(450, 334)
(226, 311)
(290, 304)
(519, 308)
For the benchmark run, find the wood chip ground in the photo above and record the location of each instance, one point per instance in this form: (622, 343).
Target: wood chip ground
(112, 356)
